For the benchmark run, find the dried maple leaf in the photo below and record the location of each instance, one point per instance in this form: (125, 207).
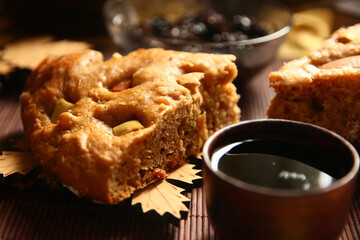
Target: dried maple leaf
(16, 162)
(163, 197)
(28, 53)
(186, 173)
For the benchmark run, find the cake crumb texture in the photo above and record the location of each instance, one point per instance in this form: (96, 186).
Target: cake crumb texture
(328, 96)
(162, 104)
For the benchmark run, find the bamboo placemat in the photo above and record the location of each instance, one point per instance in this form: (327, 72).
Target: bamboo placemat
(40, 212)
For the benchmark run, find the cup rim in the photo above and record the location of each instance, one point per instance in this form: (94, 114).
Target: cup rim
(282, 192)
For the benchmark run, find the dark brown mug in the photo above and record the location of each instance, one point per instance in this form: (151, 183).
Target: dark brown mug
(239, 210)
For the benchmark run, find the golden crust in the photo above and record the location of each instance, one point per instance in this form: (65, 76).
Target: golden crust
(328, 97)
(180, 99)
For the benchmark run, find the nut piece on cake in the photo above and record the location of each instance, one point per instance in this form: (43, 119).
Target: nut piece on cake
(117, 123)
(323, 87)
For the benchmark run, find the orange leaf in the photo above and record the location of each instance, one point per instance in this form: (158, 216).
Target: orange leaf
(186, 173)
(29, 52)
(162, 197)
(16, 162)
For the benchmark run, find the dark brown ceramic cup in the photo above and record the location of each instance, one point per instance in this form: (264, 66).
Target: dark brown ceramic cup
(239, 210)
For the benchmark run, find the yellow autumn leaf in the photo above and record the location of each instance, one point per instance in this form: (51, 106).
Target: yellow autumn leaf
(162, 197)
(16, 162)
(29, 52)
(186, 173)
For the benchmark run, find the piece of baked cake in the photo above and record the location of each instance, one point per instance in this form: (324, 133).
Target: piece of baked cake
(323, 87)
(107, 128)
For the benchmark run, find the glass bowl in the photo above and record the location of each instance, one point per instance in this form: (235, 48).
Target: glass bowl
(123, 16)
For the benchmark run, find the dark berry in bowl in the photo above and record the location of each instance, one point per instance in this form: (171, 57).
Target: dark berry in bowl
(207, 26)
(250, 30)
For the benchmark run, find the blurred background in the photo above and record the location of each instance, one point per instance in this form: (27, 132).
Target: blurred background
(83, 19)
(60, 17)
